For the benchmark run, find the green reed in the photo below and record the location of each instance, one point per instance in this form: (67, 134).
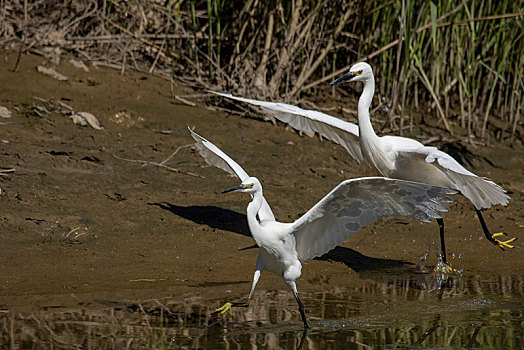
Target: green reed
(463, 54)
(459, 62)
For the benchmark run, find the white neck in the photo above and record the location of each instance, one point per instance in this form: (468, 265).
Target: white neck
(252, 209)
(370, 144)
(364, 102)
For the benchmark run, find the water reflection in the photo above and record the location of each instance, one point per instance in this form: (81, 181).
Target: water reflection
(388, 310)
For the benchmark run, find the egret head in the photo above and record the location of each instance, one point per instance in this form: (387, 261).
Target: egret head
(249, 185)
(360, 71)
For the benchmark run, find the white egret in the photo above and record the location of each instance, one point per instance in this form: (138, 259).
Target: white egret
(349, 206)
(392, 156)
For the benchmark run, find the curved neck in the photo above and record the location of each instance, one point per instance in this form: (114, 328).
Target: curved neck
(364, 102)
(370, 144)
(252, 210)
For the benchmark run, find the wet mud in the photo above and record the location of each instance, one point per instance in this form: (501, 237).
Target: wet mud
(103, 245)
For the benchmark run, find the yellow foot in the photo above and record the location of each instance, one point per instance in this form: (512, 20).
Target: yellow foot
(502, 244)
(444, 268)
(450, 269)
(225, 308)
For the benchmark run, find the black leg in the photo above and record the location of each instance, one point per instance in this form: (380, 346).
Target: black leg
(473, 337)
(305, 334)
(302, 312)
(484, 227)
(492, 237)
(240, 304)
(442, 241)
(227, 306)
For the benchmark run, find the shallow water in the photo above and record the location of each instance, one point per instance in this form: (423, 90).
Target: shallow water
(101, 239)
(392, 309)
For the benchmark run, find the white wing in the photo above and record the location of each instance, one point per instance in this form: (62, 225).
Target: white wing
(311, 122)
(357, 202)
(482, 192)
(215, 157)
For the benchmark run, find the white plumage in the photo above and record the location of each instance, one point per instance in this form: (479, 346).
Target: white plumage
(342, 212)
(392, 156)
(215, 157)
(310, 122)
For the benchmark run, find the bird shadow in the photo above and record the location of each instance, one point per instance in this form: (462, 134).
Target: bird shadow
(228, 220)
(359, 262)
(214, 217)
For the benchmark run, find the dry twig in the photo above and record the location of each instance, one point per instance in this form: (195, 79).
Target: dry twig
(162, 164)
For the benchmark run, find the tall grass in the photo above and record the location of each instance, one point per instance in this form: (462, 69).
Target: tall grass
(458, 62)
(464, 58)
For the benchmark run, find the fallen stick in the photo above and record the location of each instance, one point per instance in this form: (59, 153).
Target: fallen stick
(161, 164)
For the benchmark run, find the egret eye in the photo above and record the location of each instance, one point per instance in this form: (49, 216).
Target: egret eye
(358, 72)
(248, 186)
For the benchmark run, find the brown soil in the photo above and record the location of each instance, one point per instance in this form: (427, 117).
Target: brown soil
(79, 223)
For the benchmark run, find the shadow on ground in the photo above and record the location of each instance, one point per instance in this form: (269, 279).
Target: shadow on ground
(359, 262)
(228, 220)
(214, 217)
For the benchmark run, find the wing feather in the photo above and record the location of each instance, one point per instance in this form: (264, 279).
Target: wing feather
(215, 157)
(482, 192)
(311, 122)
(357, 202)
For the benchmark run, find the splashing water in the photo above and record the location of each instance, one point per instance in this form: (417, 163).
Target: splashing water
(422, 259)
(441, 272)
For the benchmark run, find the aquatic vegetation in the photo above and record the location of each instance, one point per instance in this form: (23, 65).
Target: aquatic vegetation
(388, 310)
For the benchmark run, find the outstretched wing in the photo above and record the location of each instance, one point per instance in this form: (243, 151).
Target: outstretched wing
(482, 192)
(357, 202)
(215, 157)
(311, 122)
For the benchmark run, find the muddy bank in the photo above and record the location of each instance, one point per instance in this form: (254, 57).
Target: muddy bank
(86, 218)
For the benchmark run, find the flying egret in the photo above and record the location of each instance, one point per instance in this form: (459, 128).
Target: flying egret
(392, 156)
(349, 206)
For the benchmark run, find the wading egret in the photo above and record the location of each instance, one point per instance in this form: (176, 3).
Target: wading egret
(349, 206)
(392, 156)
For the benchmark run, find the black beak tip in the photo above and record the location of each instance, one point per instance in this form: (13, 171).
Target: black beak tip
(346, 77)
(232, 189)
